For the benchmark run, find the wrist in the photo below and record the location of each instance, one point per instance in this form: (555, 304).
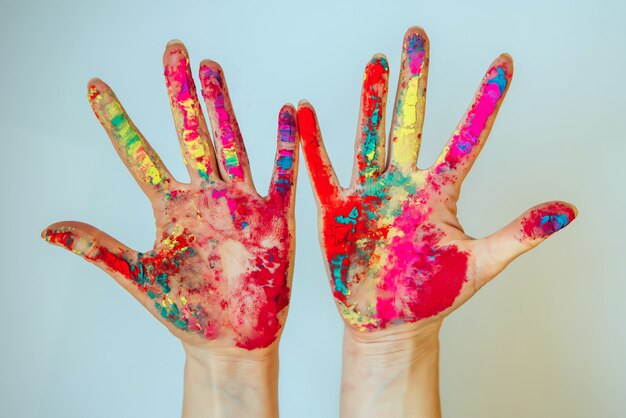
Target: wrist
(227, 382)
(400, 345)
(393, 373)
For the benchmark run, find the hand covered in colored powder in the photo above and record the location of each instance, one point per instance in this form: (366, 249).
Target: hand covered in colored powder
(393, 245)
(220, 271)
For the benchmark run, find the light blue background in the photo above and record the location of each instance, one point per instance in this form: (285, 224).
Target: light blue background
(546, 339)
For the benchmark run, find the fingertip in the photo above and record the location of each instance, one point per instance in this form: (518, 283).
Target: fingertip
(574, 209)
(303, 103)
(287, 123)
(505, 61)
(416, 31)
(210, 68)
(379, 59)
(547, 218)
(306, 115)
(95, 88)
(174, 50)
(288, 108)
(174, 41)
(45, 233)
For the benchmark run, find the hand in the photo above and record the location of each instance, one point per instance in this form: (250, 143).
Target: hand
(394, 248)
(219, 274)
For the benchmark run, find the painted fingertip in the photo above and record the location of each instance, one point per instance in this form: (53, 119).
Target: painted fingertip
(174, 51)
(95, 88)
(303, 103)
(547, 219)
(289, 108)
(415, 51)
(287, 123)
(505, 61)
(210, 69)
(66, 237)
(379, 60)
(416, 30)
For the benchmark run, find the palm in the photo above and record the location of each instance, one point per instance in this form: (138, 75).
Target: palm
(395, 250)
(221, 267)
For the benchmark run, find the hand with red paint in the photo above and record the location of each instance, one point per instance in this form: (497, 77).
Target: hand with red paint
(397, 257)
(219, 274)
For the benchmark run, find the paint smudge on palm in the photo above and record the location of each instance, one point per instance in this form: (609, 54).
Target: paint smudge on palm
(386, 263)
(192, 284)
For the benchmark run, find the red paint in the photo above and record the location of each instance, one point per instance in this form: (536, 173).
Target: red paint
(319, 170)
(372, 112)
(544, 221)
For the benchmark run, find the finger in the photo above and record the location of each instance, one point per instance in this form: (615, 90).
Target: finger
(459, 155)
(228, 141)
(100, 249)
(408, 115)
(530, 229)
(325, 183)
(191, 127)
(138, 156)
(370, 140)
(286, 163)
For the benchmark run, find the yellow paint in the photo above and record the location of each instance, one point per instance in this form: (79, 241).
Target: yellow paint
(172, 239)
(196, 148)
(183, 300)
(406, 129)
(355, 318)
(128, 137)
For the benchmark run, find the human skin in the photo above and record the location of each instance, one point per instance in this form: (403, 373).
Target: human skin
(396, 255)
(219, 274)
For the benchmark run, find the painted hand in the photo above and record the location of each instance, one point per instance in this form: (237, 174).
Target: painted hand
(394, 247)
(220, 270)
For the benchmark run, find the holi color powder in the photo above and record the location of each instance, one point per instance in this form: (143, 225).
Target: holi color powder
(220, 269)
(543, 222)
(225, 128)
(193, 279)
(187, 113)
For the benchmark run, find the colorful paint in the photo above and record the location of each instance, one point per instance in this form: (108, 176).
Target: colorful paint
(188, 117)
(410, 102)
(130, 144)
(225, 129)
(221, 267)
(545, 221)
(386, 240)
(370, 156)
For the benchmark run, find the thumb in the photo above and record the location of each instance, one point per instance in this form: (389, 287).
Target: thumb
(494, 252)
(94, 246)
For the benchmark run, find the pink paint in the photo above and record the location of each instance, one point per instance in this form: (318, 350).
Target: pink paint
(467, 138)
(420, 278)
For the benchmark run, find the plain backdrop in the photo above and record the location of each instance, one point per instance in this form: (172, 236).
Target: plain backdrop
(546, 339)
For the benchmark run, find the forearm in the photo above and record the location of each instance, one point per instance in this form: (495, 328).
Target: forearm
(395, 375)
(221, 385)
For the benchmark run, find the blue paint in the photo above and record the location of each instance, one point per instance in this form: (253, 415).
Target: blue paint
(336, 268)
(557, 222)
(285, 162)
(500, 80)
(162, 280)
(244, 224)
(350, 219)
